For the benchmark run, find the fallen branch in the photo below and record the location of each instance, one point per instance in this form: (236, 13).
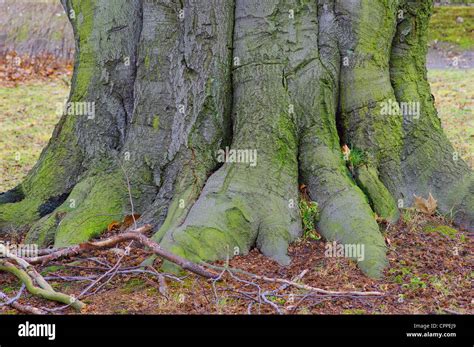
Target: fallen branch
(135, 235)
(295, 284)
(49, 294)
(20, 307)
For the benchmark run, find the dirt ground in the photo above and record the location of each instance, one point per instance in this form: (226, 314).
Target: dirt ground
(430, 271)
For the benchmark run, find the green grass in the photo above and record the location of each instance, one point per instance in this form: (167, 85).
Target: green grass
(445, 28)
(309, 215)
(357, 157)
(27, 115)
(454, 93)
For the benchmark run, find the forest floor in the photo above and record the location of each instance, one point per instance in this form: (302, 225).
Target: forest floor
(429, 272)
(430, 268)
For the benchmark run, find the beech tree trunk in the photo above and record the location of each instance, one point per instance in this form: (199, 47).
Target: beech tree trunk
(174, 82)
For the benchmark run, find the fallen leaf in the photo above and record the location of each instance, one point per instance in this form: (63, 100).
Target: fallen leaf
(113, 226)
(426, 206)
(346, 152)
(130, 220)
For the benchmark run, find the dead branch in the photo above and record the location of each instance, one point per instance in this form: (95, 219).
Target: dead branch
(295, 284)
(49, 294)
(135, 235)
(20, 307)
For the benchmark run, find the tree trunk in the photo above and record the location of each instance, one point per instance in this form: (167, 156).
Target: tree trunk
(175, 84)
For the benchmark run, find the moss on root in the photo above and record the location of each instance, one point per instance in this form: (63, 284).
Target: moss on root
(47, 183)
(100, 201)
(92, 205)
(381, 199)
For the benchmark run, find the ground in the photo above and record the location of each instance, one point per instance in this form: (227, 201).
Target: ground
(429, 272)
(430, 262)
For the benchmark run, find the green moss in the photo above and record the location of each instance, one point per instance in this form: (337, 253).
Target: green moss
(52, 268)
(98, 201)
(380, 198)
(156, 122)
(42, 232)
(20, 213)
(84, 24)
(133, 285)
(444, 26)
(441, 229)
(286, 143)
(147, 61)
(177, 211)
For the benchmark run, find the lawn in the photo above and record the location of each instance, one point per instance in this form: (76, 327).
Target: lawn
(454, 25)
(28, 113)
(454, 94)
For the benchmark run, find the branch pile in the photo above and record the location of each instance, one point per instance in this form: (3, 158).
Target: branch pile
(36, 284)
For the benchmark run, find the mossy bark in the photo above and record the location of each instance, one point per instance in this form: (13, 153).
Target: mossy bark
(175, 82)
(428, 160)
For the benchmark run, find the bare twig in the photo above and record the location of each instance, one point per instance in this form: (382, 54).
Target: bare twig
(295, 284)
(112, 241)
(20, 307)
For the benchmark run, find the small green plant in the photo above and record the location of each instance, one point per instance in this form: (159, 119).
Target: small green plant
(354, 157)
(415, 283)
(309, 211)
(277, 300)
(408, 215)
(441, 229)
(400, 274)
(357, 158)
(439, 284)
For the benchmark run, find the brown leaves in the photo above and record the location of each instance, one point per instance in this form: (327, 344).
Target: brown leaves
(113, 226)
(127, 222)
(304, 192)
(346, 152)
(15, 68)
(426, 206)
(130, 220)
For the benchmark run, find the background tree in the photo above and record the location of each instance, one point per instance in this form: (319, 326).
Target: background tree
(167, 84)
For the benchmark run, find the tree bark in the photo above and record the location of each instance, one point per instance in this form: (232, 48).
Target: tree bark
(175, 82)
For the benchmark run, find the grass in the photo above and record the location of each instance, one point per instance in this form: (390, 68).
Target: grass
(309, 214)
(444, 26)
(28, 115)
(454, 93)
